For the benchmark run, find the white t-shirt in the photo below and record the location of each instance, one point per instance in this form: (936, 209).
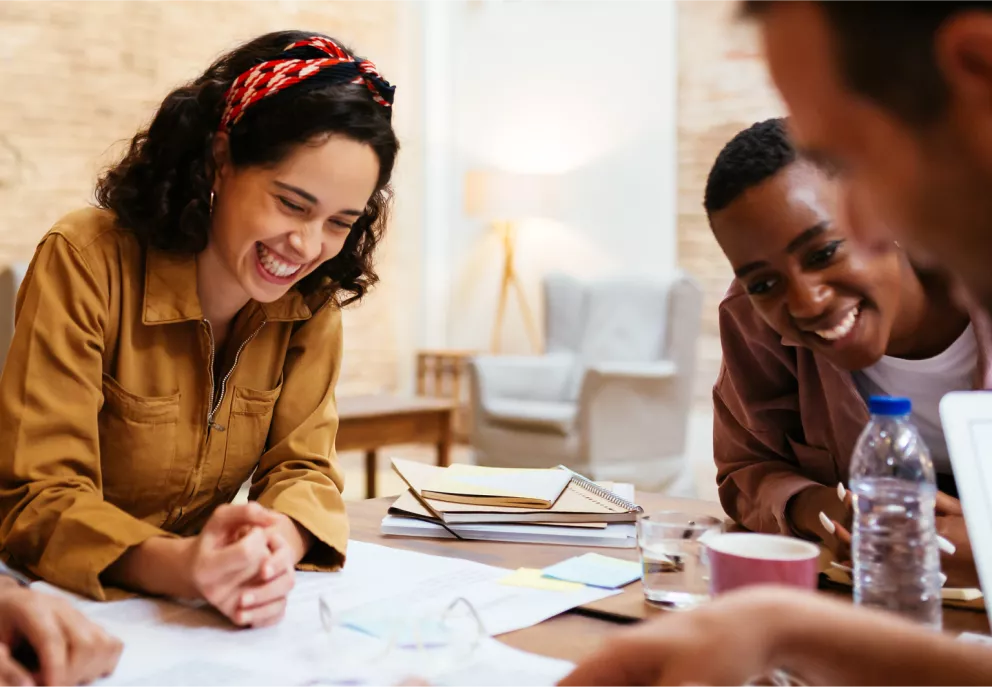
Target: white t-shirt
(925, 382)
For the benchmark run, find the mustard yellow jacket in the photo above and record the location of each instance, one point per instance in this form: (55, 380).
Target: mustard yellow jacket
(113, 430)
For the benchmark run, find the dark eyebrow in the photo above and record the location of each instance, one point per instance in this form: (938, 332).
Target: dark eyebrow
(745, 270)
(313, 199)
(794, 245)
(805, 237)
(298, 191)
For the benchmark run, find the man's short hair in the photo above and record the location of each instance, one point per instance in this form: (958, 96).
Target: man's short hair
(753, 155)
(884, 50)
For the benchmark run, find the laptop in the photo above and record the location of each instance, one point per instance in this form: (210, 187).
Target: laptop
(966, 417)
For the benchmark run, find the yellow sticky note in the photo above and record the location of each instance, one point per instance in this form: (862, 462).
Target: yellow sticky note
(532, 577)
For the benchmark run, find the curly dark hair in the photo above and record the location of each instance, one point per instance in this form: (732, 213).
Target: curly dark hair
(753, 155)
(161, 188)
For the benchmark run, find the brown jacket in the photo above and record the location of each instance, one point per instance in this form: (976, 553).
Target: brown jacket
(785, 418)
(110, 428)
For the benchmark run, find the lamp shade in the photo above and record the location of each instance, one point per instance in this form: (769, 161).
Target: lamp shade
(497, 195)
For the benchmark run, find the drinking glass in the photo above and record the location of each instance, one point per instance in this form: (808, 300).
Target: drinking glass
(673, 557)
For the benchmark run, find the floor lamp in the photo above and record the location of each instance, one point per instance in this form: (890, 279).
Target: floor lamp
(504, 198)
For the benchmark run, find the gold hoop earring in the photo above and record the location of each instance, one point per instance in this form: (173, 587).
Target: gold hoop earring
(211, 211)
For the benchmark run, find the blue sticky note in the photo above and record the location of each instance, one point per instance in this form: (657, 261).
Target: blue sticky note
(596, 570)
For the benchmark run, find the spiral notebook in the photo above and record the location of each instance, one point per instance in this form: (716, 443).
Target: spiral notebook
(581, 501)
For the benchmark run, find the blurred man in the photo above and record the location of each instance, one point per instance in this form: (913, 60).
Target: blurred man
(44, 640)
(895, 98)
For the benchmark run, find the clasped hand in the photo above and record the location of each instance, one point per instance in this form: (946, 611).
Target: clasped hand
(243, 565)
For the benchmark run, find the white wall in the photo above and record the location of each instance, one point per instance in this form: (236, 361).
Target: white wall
(582, 89)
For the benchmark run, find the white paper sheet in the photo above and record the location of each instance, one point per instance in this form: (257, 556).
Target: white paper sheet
(379, 578)
(491, 663)
(496, 663)
(618, 535)
(169, 643)
(204, 672)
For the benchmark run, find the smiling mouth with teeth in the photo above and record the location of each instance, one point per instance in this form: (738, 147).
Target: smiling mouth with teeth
(842, 328)
(273, 264)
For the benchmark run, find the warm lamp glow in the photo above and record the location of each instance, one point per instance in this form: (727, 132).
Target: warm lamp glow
(501, 195)
(502, 198)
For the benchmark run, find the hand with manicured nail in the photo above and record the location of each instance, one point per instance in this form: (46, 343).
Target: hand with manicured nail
(817, 513)
(952, 538)
(959, 567)
(242, 564)
(262, 601)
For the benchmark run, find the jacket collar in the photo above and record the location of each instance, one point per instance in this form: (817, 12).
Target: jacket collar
(171, 296)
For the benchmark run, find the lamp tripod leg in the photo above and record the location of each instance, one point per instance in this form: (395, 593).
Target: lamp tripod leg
(529, 323)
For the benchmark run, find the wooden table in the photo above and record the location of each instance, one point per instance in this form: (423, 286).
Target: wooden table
(573, 635)
(368, 423)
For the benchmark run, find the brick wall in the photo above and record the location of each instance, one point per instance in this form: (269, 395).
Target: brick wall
(723, 88)
(78, 78)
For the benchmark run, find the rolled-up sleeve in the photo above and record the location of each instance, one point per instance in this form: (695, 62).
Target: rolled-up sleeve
(53, 519)
(755, 406)
(298, 475)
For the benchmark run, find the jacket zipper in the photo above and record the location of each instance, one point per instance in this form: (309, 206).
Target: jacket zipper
(213, 405)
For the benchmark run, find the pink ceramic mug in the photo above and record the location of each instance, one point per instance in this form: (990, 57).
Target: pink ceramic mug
(741, 559)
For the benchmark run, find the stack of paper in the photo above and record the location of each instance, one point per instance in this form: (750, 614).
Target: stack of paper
(554, 506)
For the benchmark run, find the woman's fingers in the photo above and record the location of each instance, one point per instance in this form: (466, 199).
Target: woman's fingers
(12, 672)
(847, 500)
(92, 653)
(262, 616)
(219, 572)
(263, 601)
(263, 594)
(228, 521)
(248, 580)
(41, 628)
(948, 505)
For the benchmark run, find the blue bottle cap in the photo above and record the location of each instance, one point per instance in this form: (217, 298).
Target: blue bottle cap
(892, 406)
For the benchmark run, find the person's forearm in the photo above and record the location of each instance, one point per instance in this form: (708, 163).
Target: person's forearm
(156, 566)
(836, 644)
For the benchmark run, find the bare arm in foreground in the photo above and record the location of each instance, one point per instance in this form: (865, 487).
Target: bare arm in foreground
(752, 632)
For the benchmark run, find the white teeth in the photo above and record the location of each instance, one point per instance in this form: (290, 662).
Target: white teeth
(273, 265)
(842, 329)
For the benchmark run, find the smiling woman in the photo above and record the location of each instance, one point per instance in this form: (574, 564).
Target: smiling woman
(185, 335)
(813, 324)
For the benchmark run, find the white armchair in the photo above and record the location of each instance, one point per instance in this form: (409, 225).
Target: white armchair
(612, 395)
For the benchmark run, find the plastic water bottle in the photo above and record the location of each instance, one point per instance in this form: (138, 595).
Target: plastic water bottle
(896, 559)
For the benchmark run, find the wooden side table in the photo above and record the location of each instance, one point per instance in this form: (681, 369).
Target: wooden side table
(369, 423)
(443, 373)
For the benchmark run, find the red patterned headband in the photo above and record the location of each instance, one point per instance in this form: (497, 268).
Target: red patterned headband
(291, 67)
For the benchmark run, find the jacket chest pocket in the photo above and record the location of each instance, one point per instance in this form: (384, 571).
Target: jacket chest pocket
(138, 437)
(247, 434)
